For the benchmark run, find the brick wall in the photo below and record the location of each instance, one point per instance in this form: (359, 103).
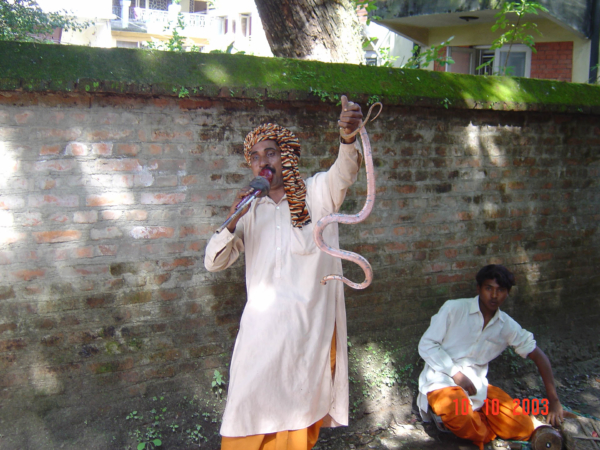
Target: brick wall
(107, 202)
(553, 61)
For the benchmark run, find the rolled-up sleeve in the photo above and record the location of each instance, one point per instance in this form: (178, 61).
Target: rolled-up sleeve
(343, 172)
(430, 345)
(223, 250)
(519, 338)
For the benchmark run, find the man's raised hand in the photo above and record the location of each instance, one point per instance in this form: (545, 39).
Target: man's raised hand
(245, 191)
(350, 118)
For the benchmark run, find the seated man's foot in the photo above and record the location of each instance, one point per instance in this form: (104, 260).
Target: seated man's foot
(497, 444)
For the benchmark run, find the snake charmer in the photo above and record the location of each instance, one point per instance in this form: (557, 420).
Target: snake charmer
(289, 369)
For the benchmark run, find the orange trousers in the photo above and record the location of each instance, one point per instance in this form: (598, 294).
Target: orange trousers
(303, 439)
(477, 426)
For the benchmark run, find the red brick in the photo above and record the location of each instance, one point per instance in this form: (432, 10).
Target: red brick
(28, 275)
(67, 201)
(105, 233)
(55, 165)
(436, 267)
(11, 202)
(201, 230)
(111, 215)
(162, 199)
(102, 149)
(108, 135)
(443, 279)
(85, 217)
(76, 149)
(23, 118)
(406, 189)
(10, 237)
(60, 218)
(119, 165)
(12, 344)
(47, 237)
(7, 327)
(84, 252)
(543, 257)
(396, 247)
(164, 135)
(167, 164)
(108, 250)
(170, 294)
(6, 258)
(451, 253)
(49, 150)
(152, 232)
(180, 262)
(127, 149)
(189, 180)
(136, 214)
(112, 199)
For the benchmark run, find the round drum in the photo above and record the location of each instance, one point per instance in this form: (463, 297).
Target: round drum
(546, 438)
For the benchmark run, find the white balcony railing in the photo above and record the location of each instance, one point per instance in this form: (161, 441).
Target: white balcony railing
(194, 23)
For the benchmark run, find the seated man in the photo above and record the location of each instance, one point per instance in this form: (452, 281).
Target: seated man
(464, 336)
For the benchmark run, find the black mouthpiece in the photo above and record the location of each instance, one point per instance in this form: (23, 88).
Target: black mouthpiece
(261, 184)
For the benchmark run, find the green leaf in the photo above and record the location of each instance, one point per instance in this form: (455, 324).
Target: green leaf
(157, 442)
(141, 446)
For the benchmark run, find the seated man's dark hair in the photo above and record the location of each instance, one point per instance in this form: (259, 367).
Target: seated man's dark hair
(498, 272)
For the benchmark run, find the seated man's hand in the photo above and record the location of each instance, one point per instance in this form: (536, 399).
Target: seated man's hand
(556, 414)
(463, 381)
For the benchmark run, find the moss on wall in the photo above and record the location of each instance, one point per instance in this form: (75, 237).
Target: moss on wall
(56, 68)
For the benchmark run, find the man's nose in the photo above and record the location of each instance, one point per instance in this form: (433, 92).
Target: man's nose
(262, 161)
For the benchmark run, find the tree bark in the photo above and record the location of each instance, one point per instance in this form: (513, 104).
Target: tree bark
(323, 30)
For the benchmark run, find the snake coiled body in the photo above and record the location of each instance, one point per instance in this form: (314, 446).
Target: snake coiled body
(351, 219)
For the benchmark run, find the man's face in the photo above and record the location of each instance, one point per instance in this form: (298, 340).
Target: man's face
(491, 296)
(267, 154)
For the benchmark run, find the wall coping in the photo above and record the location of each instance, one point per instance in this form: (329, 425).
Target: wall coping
(66, 69)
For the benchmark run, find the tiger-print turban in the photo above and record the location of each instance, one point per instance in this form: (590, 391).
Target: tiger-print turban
(293, 184)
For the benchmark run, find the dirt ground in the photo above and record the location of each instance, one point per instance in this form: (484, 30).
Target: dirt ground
(578, 387)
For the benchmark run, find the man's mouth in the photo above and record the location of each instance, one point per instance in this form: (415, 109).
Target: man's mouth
(267, 173)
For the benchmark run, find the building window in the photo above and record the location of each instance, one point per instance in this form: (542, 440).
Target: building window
(371, 58)
(221, 24)
(246, 25)
(161, 5)
(128, 44)
(467, 59)
(198, 6)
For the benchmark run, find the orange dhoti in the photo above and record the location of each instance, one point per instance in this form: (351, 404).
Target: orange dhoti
(481, 426)
(303, 439)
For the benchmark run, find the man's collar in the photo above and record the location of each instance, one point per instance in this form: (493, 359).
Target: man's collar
(474, 308)
(266, 198)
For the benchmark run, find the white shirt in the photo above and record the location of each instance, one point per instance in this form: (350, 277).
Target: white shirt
(280, 377)
(456, 342)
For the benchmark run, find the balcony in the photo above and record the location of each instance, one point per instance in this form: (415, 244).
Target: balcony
(154, 21)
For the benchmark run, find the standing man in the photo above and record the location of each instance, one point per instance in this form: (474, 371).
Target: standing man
(464, 336)
(289, 370)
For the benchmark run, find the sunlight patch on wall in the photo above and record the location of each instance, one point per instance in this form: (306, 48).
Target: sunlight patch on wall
(8, 162)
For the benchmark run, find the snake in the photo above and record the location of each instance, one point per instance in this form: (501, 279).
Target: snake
(351, 219)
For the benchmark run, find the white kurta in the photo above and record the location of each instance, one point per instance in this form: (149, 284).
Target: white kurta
(280, 377)
(456, 342)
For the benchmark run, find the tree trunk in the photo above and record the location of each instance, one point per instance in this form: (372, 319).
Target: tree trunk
(323, 30)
